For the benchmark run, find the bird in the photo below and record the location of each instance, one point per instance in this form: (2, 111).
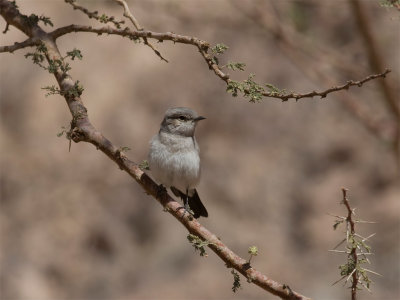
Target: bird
(174, 158)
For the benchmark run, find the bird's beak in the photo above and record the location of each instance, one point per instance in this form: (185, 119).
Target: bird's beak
(199, 118)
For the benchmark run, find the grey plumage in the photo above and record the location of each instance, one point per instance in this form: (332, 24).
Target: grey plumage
(174, 157)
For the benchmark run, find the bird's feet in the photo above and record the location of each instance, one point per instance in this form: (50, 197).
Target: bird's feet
(187, 209)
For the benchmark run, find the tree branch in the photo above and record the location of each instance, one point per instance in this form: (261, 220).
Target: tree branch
(203, 47)
(83, 130)
(353, 253)
(27, 43)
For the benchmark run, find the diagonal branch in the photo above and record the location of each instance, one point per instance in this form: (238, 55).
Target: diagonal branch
(83, 130)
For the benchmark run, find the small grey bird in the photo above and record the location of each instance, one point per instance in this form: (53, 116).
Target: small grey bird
(174, 157)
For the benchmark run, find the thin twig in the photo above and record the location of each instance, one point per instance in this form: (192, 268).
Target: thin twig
(129, 15)
(339, 244)
(135, 22)
(339, 280)
(6, 29)
(95, 14)
(353, 254)
(323, 94)
(370, 271)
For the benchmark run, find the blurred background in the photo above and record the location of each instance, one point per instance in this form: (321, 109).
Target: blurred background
(73, 226)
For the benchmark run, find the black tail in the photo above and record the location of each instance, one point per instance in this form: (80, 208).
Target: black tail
(194, 202)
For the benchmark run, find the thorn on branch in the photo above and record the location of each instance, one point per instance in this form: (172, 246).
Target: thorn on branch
(356, 250)
(144, 165)
(7, 28)
(290, 292)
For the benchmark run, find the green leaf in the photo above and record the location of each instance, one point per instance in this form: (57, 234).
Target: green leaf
(144, 165)
(46, 20)
(236, 281)
(75, 53)
(236, 66)
(198, 243)
(219, 48)
(253, 250)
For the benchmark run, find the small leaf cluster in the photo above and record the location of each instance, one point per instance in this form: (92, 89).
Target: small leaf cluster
(274, 91)
(75, 53)
(357, 251)
(75, 91)
(356, 243)
(105, 19)
(38, 56)
(60, 64)
(198, 243)
(219, 49)
(33, 20)
(234, 66)
(252, 90)
(236, 281)
(63, 130)
(248, 88)
(54, 65)
(337, 223)
(253, 251)
(124, 149)
(144, 165)
(135, 39)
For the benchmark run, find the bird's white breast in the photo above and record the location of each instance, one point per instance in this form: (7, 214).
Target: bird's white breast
(174, 160)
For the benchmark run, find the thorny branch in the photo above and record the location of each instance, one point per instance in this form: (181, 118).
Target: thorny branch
(356, 249)
(353, 253)
(83, 130)
(203, 48)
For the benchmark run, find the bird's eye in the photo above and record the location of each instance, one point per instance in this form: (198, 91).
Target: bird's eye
(182, 118)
